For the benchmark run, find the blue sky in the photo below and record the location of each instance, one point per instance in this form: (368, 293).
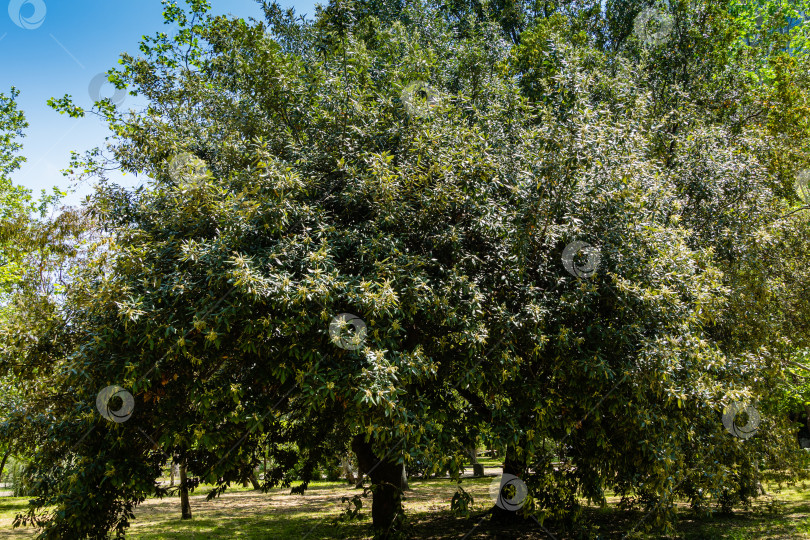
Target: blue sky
(49, 48)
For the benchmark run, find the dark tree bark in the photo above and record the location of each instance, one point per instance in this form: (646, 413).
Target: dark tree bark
(386, 479)
(185, 505)
(516, 467)
(3, 463)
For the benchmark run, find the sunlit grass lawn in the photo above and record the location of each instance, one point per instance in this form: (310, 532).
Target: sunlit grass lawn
(242, 513)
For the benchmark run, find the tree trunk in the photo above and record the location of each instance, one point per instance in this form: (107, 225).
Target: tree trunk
(515, 467)
(478, 469)
(172, 465)
(255, 482)
(403, 483)
(361, 472)
(185, 505)
(386, 479)
(807, 415)
(265, 463)
(3, 463)
(346, 465)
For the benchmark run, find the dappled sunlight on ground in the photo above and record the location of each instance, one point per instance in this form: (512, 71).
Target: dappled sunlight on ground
(780, 515)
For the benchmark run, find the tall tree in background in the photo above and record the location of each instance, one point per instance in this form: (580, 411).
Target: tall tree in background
(29, 243)
(14, 205)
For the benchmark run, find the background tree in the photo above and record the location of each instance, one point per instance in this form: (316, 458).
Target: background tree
(26, 252)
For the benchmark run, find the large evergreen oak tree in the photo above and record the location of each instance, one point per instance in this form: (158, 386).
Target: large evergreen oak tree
(294, 174)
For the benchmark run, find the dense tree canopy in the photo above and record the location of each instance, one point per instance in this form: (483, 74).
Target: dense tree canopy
(30, 243)
(433, 171)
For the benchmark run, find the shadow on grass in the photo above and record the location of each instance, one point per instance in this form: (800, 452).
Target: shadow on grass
(9, 508)
(257, 527)
(13, 505)
(612, 524)
(277, 514)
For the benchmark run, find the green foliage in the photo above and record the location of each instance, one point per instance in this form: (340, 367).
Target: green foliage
(12, 126)
(30, 245)
(354, 506)
(15, 201)
(462, 502)
(16, 478)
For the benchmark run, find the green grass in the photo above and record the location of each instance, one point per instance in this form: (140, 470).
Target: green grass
(489, 462)
(11, 506)
(245, 514)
